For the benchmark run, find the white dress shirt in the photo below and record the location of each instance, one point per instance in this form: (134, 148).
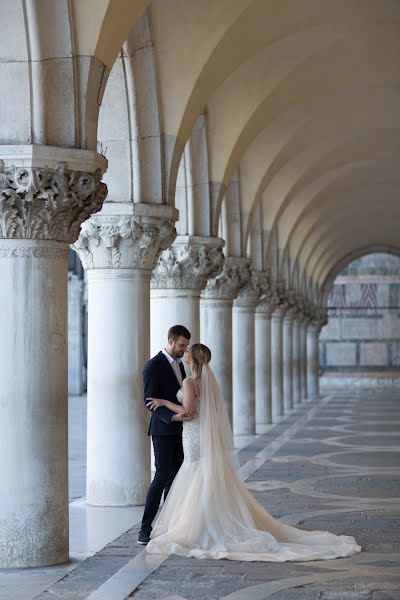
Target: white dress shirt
(175, 366)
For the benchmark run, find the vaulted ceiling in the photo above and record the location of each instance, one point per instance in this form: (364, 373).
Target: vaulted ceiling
(299, 108)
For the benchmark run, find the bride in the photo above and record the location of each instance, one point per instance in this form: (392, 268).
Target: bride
(209, 512)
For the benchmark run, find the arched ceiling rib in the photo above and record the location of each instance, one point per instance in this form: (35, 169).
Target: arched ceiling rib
(357, 227)
(352, 234)
(353, 247)
(330, 193)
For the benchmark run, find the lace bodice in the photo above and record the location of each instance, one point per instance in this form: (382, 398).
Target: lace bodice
(191, 434)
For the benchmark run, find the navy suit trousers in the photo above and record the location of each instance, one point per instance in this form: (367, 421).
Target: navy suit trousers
(168, 455)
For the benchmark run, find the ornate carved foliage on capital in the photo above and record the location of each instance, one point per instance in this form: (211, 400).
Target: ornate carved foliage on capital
(291, 305)
(127, 242)
(249, 295)
(45, 203)
(319, 318)
(187, 266)
(226, 285)
(273, 300)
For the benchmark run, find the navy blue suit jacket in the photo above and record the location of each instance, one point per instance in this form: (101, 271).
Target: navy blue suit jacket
(159, 381)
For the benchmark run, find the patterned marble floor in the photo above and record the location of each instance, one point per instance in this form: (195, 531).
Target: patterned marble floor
(332, 465)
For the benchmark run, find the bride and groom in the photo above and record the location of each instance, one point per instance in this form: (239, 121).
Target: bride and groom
(208, 512)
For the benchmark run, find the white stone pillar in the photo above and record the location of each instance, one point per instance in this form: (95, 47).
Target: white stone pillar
(243, 362)
(277, 361)
(173, 307)
(180, 275)
(303, 355)
(263, 362)
(288, 397)
(296, 361)
(216, 320)
(119, 252)
(75, 331)
(313, 359)
(41, 210)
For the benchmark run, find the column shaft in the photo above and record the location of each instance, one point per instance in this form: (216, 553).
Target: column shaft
(263, 366)
(277, 364)
(296, 363)
(216, 333)
(288, 362)
(303, 359)
(312, 361)
(243, 370)
(173, 307)
(33, 403)
(118, 446)
(75, 339)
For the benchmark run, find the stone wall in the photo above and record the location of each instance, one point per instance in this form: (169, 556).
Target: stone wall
(363, 333)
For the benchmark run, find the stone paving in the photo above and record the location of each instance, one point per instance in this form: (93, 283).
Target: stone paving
(339, 472)
(331, 465)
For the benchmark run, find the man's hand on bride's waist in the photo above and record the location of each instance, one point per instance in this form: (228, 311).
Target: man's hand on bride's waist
(154, 403)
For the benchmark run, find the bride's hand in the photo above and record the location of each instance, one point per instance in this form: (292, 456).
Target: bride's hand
(154, 403)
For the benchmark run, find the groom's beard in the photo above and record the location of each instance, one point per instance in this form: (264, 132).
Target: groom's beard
(177, 353)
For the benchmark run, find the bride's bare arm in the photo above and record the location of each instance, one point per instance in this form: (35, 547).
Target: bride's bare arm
(154, 403)
(189, 401)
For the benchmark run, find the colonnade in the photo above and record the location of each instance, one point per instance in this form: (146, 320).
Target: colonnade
(141, 279)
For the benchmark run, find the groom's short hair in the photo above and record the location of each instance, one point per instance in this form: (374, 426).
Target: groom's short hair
(177, 331)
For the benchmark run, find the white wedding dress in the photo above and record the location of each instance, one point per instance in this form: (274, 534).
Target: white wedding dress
(209, 512)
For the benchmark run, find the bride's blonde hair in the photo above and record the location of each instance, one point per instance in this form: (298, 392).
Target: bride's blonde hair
(201, 355)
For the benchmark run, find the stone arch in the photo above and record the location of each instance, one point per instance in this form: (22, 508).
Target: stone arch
(129, 121)
(349, 258)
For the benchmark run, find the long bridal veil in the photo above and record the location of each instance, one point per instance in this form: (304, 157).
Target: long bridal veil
(210, 513)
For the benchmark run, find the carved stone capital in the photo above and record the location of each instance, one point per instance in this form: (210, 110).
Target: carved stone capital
(323, 318)
(304, 310)
(280, 311)
(249, 295)
(124, 241)
(47, 203)
(188, 263)
(225, 286)
(291, 306)
(319, 318)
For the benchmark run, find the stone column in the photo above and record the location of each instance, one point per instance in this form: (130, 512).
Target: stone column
(216, 320)
(263, 361)
(313, 332)
(243, 357)
(45, 195)
(176, 284)
(119, 252)
(277, 359)
(296, 360)
(288, 370)
(312, 360)
(305, 317)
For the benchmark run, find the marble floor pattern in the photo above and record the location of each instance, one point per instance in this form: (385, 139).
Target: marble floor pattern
(331, 465)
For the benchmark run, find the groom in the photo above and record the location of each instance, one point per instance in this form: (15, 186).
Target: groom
(162, 378)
